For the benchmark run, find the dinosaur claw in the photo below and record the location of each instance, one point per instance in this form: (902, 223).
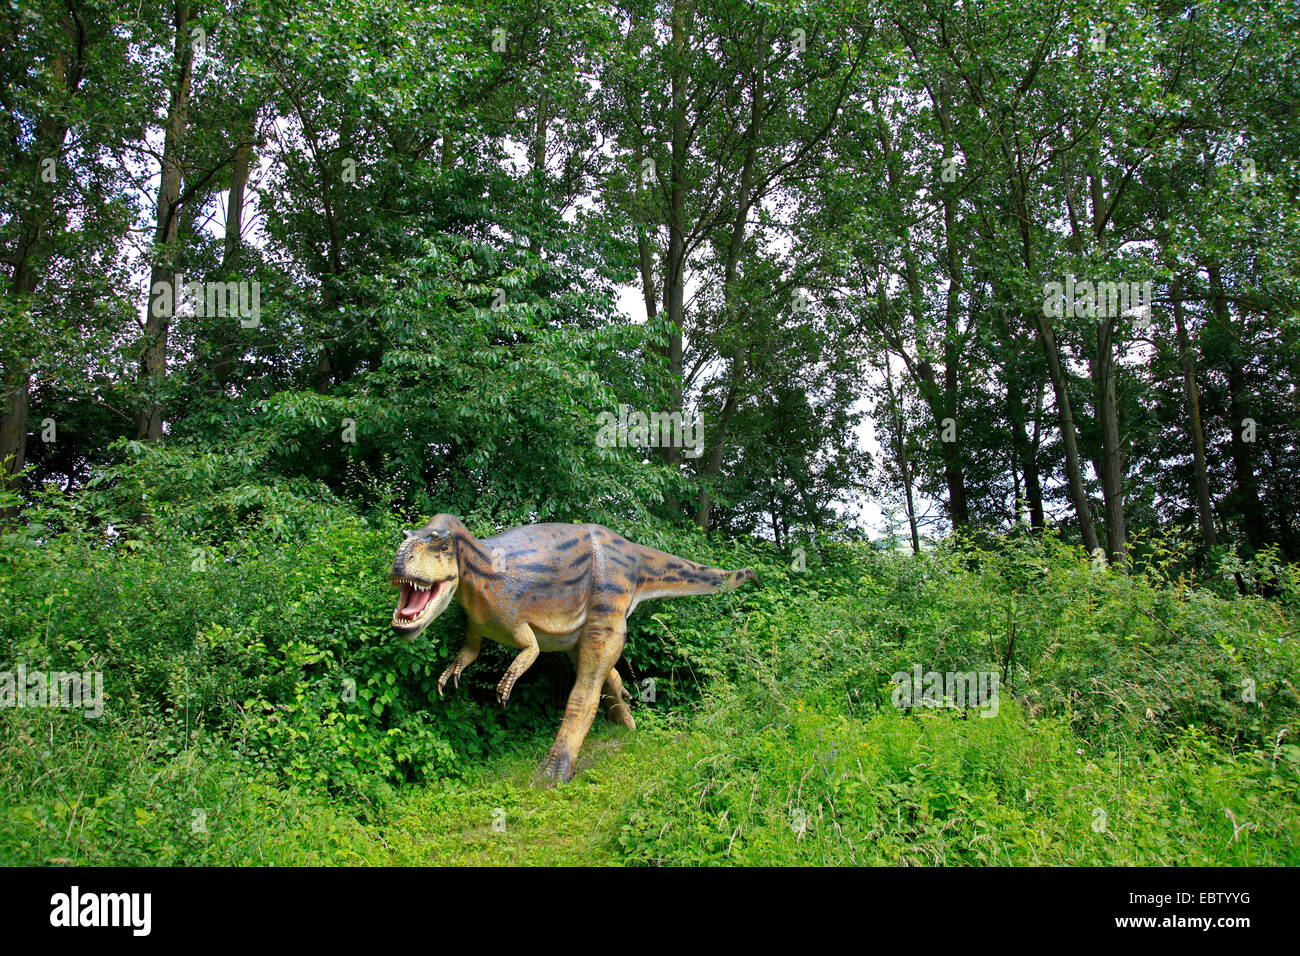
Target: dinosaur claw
(503, 692)
(556, 769)
(453, 673)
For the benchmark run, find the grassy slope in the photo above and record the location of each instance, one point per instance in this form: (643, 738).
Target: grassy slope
(1128, 738)
(919, 791)
(733, 785)
(573, 825)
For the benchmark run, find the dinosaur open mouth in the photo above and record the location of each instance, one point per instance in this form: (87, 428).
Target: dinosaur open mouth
(416, 601)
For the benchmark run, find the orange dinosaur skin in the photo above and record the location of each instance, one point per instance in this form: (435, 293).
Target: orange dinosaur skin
(545, 587)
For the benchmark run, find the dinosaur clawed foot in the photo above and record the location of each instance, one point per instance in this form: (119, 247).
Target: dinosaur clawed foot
(454, 673)
(621, 714)
(557, 768)
(504, 688)
(617, 710)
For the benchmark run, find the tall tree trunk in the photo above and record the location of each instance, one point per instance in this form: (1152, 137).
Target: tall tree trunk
(1110, 461)
(1024, 448)
(942, 401)
(952, 459)
(713, 464)
(1112, 454)
(900, 451)
(1069, 439)
(1197, 433)
(224, 334)
(1283, 505)
(1033, 479)
(162, 274)
(739, 229)
(1060, 384)
(674, 293)
(1020, 455)
(1243, 468)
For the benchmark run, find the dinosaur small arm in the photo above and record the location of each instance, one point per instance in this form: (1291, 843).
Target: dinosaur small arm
(545, 587)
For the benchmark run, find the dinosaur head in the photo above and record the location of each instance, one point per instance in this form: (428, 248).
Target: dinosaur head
(426, 573)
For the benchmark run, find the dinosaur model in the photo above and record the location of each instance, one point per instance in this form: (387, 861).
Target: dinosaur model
(545, 587)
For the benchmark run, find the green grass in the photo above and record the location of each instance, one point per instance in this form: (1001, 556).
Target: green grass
(736, 785)
(1145, 719)
(793, 785)
(500, 817)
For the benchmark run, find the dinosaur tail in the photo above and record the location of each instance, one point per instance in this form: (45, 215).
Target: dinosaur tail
(666, 575)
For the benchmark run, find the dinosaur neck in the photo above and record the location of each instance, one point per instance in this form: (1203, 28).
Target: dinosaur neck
(472, 559)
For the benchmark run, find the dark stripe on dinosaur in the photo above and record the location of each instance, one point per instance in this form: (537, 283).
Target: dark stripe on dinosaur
(604, 608)
(538, 568)
(569, 544)
(570, 582)
(473, 546)
(483, 573)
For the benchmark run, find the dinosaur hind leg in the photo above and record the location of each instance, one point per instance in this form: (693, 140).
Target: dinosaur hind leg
(615, 698)
(601, 646)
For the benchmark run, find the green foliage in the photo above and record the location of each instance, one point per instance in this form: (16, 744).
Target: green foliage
(248, 612)
(250, 675)
(802, 786)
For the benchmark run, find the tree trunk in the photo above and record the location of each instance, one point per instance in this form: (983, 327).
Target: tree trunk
(1202, 481)
(942, 402)
(162, 274)
(1015, 418)
(1033, 479)
(704, 507)
(1243, 468)
(1065, 416)
(952, 459)
(1283, 506)
(675, 264)
(1112, 455)
(739, 228)
(900, 450)
(224, 335)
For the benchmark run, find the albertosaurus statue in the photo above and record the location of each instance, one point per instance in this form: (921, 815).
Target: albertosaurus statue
(545, 587)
